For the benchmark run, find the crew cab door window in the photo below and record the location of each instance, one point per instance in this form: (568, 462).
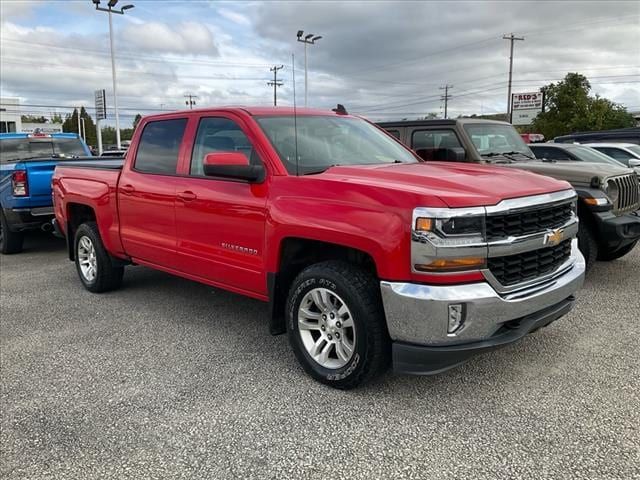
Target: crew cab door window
(219, 135)
(159, 146)
(434, 144)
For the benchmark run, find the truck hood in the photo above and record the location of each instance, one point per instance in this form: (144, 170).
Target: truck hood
(456, 184)
(572, 172)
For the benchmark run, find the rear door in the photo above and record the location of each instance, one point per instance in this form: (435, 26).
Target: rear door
(221, 222)
(147, 193)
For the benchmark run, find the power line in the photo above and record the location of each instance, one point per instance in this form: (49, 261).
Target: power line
(191, 100)
(275, 83)
(446, 97)
(512, 38)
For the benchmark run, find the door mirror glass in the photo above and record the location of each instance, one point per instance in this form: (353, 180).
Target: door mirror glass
(232, 165)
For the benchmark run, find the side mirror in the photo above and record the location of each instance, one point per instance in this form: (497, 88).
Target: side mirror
(634, 163)
(232, 165)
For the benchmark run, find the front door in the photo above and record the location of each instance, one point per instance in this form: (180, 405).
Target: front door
(147, 194)
(220, 223)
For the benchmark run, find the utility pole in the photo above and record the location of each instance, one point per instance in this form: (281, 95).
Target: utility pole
(191, 100)
(111, 9)
(276, 83)
(308, 39)
(79, 127)
(446, 97)
(511, 38)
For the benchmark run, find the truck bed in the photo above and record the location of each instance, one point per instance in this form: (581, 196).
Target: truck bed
(93, 162)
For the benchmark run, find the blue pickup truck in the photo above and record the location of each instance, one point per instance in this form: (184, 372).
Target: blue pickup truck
(27, 162)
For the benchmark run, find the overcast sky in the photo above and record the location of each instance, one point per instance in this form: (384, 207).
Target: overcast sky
(385, 60)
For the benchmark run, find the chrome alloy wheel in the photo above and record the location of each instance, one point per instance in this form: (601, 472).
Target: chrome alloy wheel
(87, 259)
(326, 328)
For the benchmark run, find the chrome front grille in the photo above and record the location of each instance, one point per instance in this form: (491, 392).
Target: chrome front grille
(528, 221)
(628, 194)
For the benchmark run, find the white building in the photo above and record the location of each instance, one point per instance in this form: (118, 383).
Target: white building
(10, 115)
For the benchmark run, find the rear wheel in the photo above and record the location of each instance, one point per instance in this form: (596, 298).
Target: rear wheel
(587, 244)
(336, 324)
(10, 242)
(621, 252)
(95, 267)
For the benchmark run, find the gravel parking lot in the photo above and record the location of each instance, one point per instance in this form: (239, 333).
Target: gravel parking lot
(167, 378)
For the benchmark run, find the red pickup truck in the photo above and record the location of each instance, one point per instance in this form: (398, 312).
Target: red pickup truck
(367, 255)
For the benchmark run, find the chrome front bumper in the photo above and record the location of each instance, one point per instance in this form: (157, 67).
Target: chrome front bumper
(418, 314)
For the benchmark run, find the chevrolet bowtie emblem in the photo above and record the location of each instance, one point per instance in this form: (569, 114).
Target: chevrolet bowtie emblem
(554, 237)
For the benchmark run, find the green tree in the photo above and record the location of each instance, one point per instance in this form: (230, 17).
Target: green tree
(56, 118)
(70, 124)
(33, 119)
(570, 108)
(136, 120)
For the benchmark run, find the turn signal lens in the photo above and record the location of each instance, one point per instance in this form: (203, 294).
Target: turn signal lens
(424, 224)
(451, 264)
(596, 202)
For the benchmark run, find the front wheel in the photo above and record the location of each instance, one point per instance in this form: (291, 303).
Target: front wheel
(95, 267)
(587, 244)
(336, 324)
(621, 252)
(10, 242)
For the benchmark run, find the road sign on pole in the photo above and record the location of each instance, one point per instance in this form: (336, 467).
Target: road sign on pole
(101, 114)
(101, 105)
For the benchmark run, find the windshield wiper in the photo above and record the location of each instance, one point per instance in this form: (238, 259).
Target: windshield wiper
(494, 154)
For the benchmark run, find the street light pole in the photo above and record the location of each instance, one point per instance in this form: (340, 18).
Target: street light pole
(113, 77)
(110, 9)
(309, 39)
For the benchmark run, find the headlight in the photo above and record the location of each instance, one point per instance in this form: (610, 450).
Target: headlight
(612, 190)
(450, 227)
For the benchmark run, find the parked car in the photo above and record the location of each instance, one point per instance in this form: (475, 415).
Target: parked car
(626, 153)
(609, 197)
(576, 152)
(570, 152)
(366, 255)
(26, 165)
(532, 137)
(622, 135)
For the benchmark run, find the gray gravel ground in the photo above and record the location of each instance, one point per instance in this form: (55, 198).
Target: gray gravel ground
(167, 378)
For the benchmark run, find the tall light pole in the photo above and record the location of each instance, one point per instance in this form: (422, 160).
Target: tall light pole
(110, 9)
(511, 38)
(309, 39)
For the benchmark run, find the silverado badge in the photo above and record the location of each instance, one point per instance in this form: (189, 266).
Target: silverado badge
(554, 237)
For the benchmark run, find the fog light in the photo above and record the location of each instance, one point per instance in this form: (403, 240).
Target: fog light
(456, 318)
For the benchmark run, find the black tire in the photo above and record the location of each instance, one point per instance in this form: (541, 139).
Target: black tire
(621, 252)
(360, 292)
(107, 276)
(587, 245)
(10, 242)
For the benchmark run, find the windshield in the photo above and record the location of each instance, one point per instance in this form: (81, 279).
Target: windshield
(588, 154)
(496, 139)
(324, 141)
(21, 149)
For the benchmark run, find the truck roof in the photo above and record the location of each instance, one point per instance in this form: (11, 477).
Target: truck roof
(257, 111)
(31, 135)
(440, 121)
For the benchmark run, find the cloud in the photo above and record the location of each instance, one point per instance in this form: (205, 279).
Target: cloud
(235, 17)
(185, 37)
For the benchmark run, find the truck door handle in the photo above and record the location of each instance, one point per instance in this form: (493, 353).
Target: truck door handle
(127, 189)
(187, 196)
